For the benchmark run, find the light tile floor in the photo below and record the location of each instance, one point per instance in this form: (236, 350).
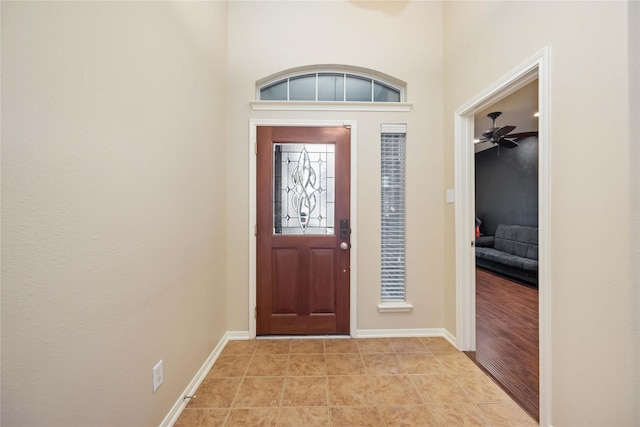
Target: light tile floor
(349, 382)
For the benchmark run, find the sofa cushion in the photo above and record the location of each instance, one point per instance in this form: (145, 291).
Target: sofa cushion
(532, 252)
(484, 241)
(517, 240)
(495, 255)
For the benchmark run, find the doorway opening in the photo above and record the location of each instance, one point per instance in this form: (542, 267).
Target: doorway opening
(506, 209)
(537, 67)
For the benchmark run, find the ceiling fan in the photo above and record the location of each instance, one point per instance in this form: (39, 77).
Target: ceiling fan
(500, 134)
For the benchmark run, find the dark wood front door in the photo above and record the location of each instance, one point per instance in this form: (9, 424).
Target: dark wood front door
(303, 234)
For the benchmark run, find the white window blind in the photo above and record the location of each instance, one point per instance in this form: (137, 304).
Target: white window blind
(393, 160)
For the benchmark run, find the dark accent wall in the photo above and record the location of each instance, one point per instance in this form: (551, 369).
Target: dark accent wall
(507, 186)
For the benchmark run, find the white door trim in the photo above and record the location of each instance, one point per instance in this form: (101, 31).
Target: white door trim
(253, 124)
(535, 67)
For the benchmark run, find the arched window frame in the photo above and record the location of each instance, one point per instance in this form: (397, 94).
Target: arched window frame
(342, 105)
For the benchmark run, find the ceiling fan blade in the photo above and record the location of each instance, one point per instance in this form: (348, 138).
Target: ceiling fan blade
(503, 131)
(487, 134)
(507, 143)
(523, 135)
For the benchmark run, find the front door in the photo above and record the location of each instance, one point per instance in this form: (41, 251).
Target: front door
(303, 234)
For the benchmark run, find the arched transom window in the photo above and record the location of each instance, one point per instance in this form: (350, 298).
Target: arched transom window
(318, 84)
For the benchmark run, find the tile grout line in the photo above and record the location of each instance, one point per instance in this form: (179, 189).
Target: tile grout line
(284, 381)
(326, 380)
(324, 353)
(244, 376)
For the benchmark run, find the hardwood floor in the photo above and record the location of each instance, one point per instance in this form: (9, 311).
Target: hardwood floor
(507, 337)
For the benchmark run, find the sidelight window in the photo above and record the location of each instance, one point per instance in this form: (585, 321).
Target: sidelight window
(392, 212)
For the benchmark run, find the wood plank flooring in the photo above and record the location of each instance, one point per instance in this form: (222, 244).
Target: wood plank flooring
(507, 337)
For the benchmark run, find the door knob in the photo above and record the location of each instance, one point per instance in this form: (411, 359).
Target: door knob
(344, 245)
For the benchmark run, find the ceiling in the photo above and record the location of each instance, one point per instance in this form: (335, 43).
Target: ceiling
(517, 110)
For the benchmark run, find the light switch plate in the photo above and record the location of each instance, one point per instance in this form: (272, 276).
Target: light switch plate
(157, 376)
(451, 195)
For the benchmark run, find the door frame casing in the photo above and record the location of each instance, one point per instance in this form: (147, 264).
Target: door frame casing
(253, 125)
(537, 66)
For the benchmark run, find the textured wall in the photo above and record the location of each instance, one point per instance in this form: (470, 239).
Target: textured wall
(113, 236)
(507, 186)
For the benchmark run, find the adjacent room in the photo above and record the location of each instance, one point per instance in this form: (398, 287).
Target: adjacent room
(506, 206)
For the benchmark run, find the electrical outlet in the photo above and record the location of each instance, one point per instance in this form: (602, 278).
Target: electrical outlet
(157, 376)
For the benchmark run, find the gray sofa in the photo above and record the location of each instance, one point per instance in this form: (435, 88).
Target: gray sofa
(513, 252)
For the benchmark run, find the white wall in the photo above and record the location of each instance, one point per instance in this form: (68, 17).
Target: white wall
(402, 39)
(593, 290)
(113, 226)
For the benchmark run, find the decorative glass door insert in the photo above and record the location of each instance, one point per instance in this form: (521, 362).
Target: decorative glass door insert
(303, 188)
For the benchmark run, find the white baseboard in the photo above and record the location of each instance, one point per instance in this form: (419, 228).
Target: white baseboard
(399, 333)
(180, 404)
(451, 338)
(237, 335)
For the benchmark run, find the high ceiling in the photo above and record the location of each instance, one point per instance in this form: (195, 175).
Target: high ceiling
(517, 110)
